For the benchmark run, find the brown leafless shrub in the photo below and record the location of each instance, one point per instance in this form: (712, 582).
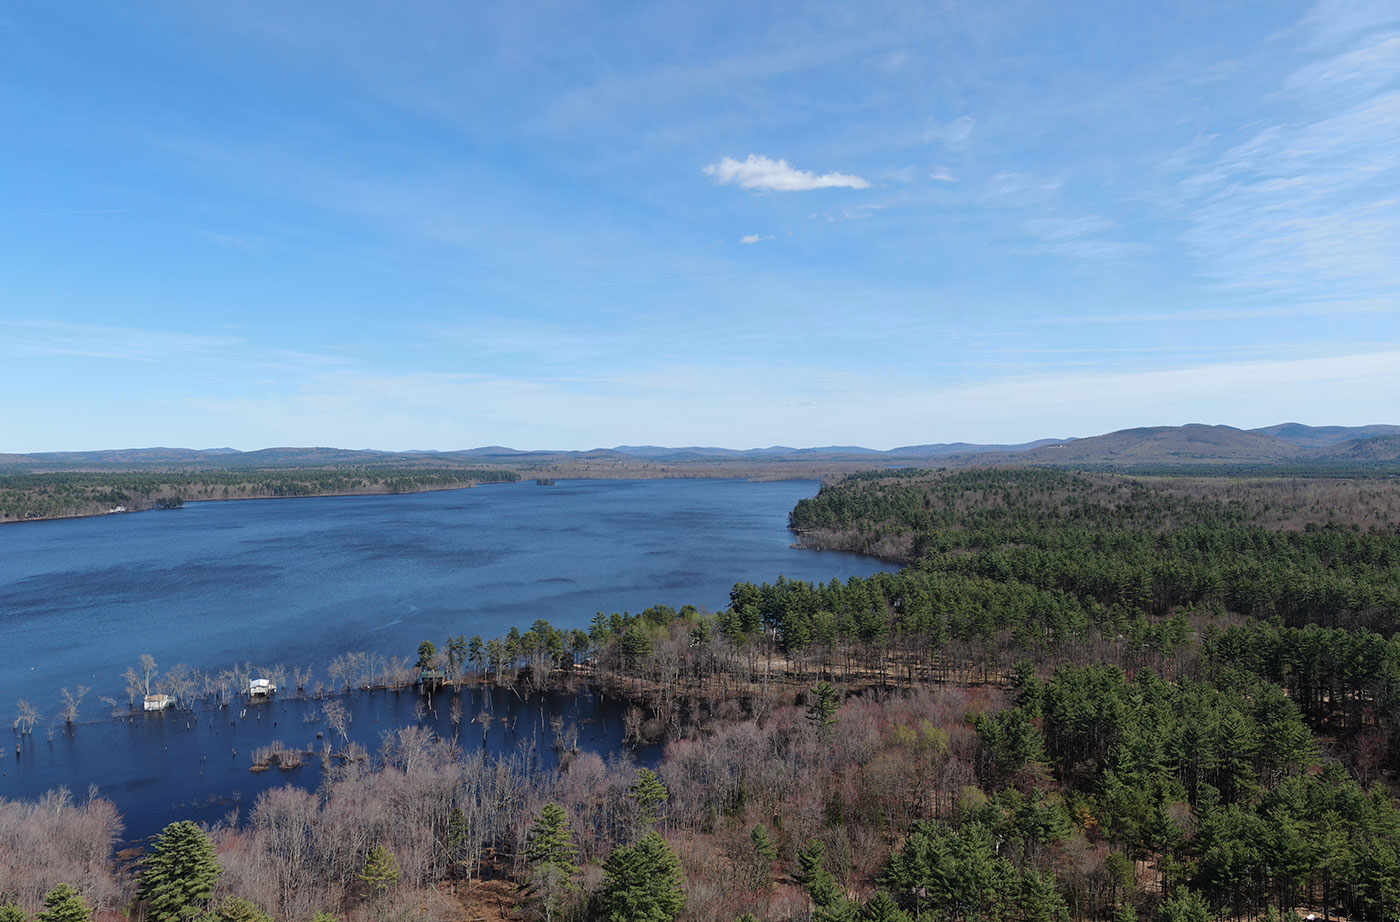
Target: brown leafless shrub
(56, 840)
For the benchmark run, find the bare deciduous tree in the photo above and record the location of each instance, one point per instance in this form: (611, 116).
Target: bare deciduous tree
(71, 703)
(337, 719)
(148, 671)
(26, 718)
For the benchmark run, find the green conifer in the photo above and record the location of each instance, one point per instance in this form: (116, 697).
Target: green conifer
(179, 876)
(650, 794)
(550, 850)
(64, 904)
(643, 883)
(380, 871)
(237, 909)
(821, 710)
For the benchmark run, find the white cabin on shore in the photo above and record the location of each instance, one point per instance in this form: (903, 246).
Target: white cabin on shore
(261, 688)
(157, 702)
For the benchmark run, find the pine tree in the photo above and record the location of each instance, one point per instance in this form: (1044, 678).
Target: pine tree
(883, 908)
(380, 871)
(64, 904)
(826, 701)
(1040, 901)
(1184, 906)
(763, 846)
(427, 652)
(650, 794)
(179, 876)
(9, 912)
(819, 883)
(550, 850)
(458, 833)
(760, 873)
(644, 883)
(237, 909)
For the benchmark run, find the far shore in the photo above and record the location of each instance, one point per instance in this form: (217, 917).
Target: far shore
(565, 471)
(152, 507)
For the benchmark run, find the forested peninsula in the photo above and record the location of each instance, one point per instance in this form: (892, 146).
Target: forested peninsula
(62, 494)
(1084, 697)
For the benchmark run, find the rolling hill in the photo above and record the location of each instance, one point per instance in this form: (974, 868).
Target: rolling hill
(1286, 443)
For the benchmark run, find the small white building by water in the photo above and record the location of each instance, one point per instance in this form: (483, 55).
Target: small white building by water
(261, 688)
(157, 702)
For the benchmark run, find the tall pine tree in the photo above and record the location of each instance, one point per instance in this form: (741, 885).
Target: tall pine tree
(178, 878)
(550, 849)
(644, 883)
(64, 904)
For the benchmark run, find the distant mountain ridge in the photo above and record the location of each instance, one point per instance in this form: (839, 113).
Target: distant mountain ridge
(1285, 442)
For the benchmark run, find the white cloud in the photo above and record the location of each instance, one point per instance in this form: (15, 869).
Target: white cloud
(1305, 207)
(953, 135)
(1349, 77)
(1018, 189)
(760, 172)
(942, 174)
(1211, 314)
(1333, 21)
(859, 213)
(1068, 228)
(1079, 238)
(891, 61)
(1307, 204)
(51, 337)
(754, 238)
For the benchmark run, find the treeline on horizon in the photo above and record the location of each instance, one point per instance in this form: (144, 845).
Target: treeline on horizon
(67, 493)
(1085, 697)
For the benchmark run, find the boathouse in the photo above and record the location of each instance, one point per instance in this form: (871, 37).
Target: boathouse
(157, 702)
(261, 688)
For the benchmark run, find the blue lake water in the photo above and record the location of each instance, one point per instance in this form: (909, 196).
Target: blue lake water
(175, 765)
(301, 581)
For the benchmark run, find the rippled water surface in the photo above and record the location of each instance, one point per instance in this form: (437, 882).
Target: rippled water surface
(300, 581)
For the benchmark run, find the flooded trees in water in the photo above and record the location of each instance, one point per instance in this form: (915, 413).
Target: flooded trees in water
(337, 719)
(71, 703)
(26, 718)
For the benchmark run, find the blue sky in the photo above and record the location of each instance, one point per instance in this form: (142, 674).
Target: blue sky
(567, 225)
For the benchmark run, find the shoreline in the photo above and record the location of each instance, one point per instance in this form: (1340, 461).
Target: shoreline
(225, 499)
(528, 476)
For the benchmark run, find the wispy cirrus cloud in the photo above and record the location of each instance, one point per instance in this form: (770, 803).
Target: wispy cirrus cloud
(1350, 76)
(1012, 190)
(1311, 203)
(759, 172)
(1052, 229)
(1379, 307)
(51, 337)
(1332, 21)
(953, 135)
(1080, 237)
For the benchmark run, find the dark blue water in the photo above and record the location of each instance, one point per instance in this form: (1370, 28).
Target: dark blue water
(173, 765)
(301, 581)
